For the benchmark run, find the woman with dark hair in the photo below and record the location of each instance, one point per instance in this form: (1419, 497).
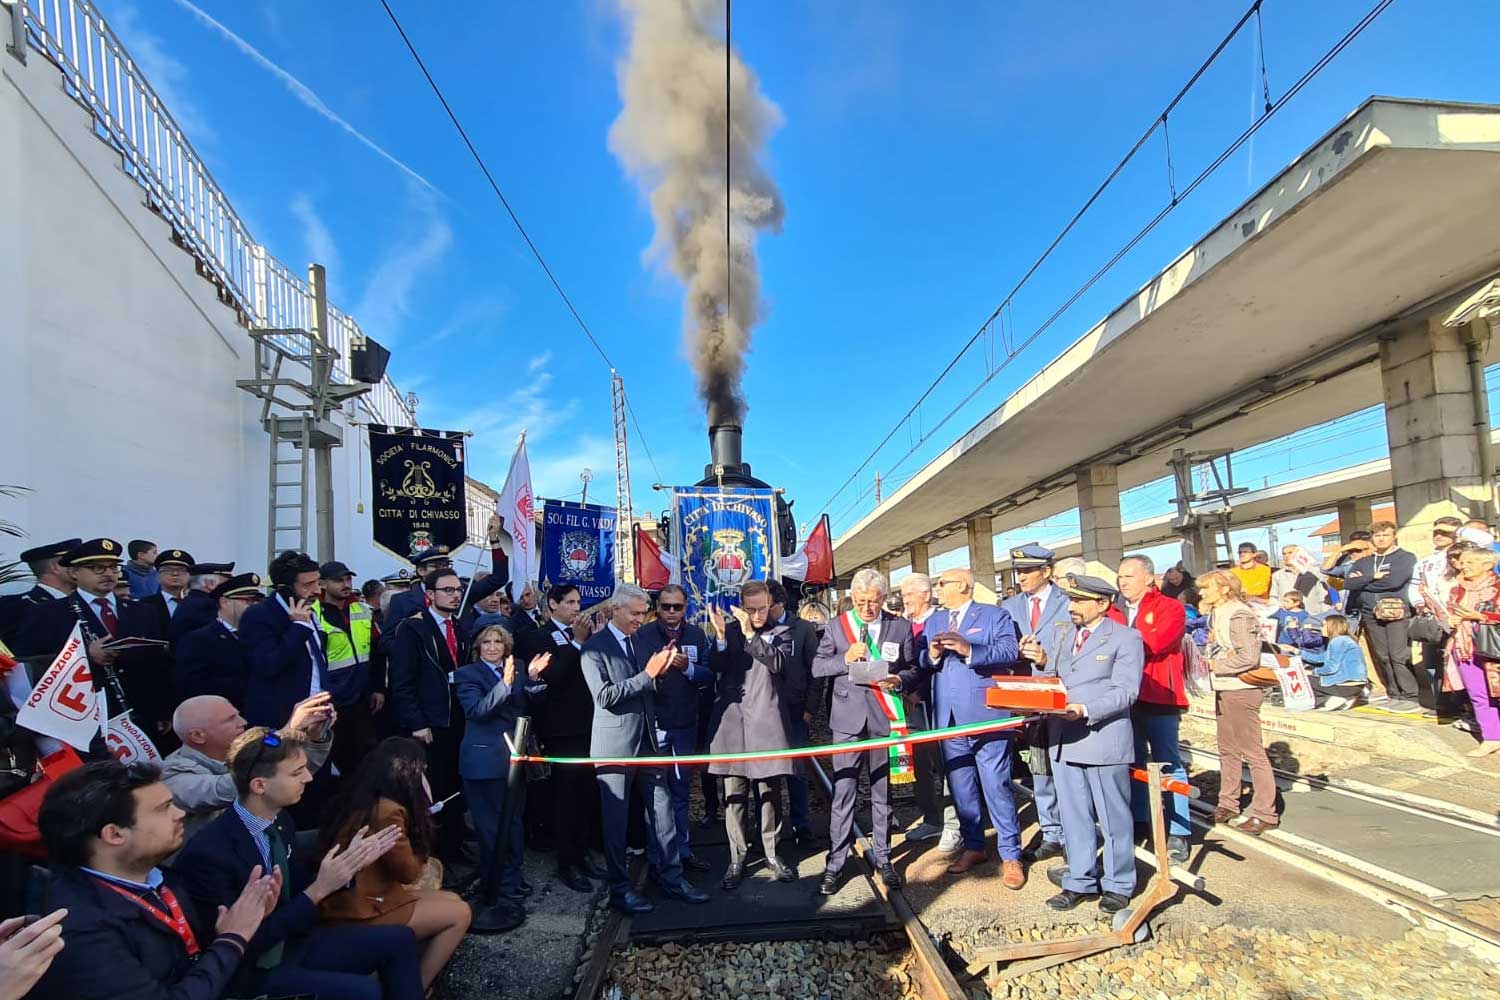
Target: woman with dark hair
(391, 787)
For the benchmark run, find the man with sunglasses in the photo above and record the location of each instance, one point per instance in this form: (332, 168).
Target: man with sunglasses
(290, 953)
(678, 695)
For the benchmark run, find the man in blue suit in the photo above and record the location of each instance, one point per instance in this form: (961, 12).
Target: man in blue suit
(625, 726)
(287, 658)
(1092, 745)
(964, 645)
(1039, 610)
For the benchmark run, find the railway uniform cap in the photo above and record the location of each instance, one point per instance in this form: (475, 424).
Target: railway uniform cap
(174, 557)
(244, 585)
(1088, 588)
(432, 554)
(219, 569)
(401, 578)
(93, 552)
(334, 570)
(53, 550)
(1031, 556)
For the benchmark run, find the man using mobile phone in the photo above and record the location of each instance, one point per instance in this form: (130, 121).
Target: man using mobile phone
(288, 661)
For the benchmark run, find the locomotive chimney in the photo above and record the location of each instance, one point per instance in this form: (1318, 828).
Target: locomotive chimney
(724, 449)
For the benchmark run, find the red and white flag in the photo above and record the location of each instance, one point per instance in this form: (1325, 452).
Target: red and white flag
(63, 704)
(129, 742)
(518, 509)
(651, 569)
(813, 560)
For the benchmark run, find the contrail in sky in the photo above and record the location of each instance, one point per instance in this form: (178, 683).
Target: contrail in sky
(301, 91)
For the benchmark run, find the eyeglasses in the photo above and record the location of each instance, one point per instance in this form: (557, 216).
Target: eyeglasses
(671, 607)
(447, 590)
(949, 583)
(105, 568)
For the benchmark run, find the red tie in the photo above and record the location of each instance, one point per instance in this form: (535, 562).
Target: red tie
(107, 616)
(452, 638)
(1036, 612)
(1083, 637)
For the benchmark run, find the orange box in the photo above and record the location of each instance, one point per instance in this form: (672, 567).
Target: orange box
(1028, 694)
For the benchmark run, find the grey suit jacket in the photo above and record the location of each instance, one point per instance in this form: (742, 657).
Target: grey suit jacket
(856, 709)
(1104, 676)
(624, 699)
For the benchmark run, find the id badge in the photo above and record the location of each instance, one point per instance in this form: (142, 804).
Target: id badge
(692, 655)
(890, 651)
(450, 677)
(558, 639)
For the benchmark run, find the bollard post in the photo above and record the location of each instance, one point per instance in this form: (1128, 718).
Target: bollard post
(488, 919)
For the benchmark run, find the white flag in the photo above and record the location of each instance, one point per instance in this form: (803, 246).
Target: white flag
(129, 742)
(517, 509)
(64, 704)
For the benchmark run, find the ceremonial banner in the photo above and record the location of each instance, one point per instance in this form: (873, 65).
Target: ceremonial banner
(578, 547)
(723, 539)
(64, 704)
(128, 742)
(517, 510)
(417, 481)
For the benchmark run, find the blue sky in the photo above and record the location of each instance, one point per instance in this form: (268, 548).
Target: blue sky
(929, 152)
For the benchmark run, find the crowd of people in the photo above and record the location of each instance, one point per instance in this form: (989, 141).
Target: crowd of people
(378, 720)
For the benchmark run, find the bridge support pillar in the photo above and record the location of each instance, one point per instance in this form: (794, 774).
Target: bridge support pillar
(1099, 514)
(1430, 417)
(982, 551)
(884, 565)
(1354, 515)
(919, 558)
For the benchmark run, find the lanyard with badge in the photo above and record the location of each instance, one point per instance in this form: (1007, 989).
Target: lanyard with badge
(177, 922)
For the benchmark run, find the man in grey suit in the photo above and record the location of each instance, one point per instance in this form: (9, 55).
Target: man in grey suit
(625, 726)
(1091, 745)
(1039, 610)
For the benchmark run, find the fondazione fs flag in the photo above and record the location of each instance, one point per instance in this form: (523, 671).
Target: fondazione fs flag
(578, 548)
(723, 538)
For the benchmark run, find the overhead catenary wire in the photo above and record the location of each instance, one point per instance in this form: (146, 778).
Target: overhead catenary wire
(515, 219)
(1354, 32)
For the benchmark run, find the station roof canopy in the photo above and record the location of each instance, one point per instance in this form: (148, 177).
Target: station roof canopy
(1267, 325)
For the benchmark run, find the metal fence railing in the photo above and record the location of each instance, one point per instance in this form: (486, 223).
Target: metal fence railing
(128, 114)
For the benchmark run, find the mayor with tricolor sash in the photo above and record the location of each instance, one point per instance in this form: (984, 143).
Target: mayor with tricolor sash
(863, 650)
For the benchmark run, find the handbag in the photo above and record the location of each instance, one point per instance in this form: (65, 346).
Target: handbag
(1487, 642)
(1492, 678)
(1426, 629)
(1390, 609)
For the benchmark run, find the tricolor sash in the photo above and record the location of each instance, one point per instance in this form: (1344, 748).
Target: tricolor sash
(890, 702)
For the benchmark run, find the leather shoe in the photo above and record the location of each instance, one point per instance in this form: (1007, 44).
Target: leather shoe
(889, 876)
(1056, 874)
(781, 870)
(693, 863)
(496, 918)
(1222, 815)
(828, 884)
(590, 870)
(1012, 875)
(683, 890)
(574, 879)
(966, 861)
(1067, 899)
(1113, 902)
(733, 876)
(1255, 826)
(1177, 850)
(1046, 851)
(630, 902)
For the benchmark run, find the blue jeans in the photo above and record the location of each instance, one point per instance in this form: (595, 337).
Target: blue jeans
(336, 962)
(679, 781)
(796, 784)
(1159, 733)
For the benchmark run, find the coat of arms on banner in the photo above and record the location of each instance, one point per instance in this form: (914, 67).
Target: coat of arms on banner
(580, 551)
(729, 563)
(725, 538)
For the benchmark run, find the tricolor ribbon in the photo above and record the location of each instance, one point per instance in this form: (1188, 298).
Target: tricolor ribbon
(794, 753)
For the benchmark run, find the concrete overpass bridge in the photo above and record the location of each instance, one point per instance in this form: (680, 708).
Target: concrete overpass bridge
(1345, 281)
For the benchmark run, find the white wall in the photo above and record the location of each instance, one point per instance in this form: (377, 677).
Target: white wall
(118, 362)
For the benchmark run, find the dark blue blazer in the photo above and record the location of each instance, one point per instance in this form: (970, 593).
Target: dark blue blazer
(418, 666)
(116, 949)
(958, 687)
(678, 692)
(407, 603)
(491, 708)
(215, 865)
(196, 610)
(281, 663)
(213, 660)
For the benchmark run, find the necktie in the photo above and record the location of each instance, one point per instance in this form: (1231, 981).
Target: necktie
(280, 858)
(630, 649)
(452, 638)
(107, 616)
(1036, 612)
(1083, 637)
(953, 621)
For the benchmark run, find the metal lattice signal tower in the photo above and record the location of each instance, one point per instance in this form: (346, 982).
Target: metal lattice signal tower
(624, 549)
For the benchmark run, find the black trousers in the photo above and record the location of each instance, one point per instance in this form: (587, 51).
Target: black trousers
(575, 800)
(442, 775)
(353, 737)
(1391, 650)
(335, 963)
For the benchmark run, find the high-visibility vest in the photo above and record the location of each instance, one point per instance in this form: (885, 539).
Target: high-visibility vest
(341, 651)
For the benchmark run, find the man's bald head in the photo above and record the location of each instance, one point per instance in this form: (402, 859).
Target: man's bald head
(208, 724)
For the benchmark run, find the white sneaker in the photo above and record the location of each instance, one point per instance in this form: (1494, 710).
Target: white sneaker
(951, 843)
(924, 831)
(1334, 703)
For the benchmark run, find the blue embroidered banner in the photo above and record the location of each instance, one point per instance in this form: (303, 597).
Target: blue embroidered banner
(723, 538)
(578, 547)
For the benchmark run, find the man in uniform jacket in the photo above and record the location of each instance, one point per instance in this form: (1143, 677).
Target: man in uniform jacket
(414, 598)
(750, 714)
(800, 690)
(564, 723)
(527, 616)
(425, 651)
(678, 693)
(214, 659)
(198, 607)
(1039, 609)
(173, 572)
(1092, 745)
(52, 584)
(625, 726)
(964, 645)
(865, 633)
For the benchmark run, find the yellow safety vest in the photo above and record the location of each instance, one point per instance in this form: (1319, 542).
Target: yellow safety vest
(341, 651)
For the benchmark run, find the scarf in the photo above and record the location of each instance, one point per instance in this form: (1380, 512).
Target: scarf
(1472, 596)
